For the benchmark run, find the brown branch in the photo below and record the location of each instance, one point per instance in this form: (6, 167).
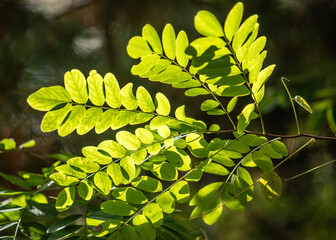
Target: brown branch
(316, 137)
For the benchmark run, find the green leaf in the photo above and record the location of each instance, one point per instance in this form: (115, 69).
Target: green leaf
(127, 98)
(28, 144)
(262, 78)
(128, 140)
(197, 145)
(232, 91)
(158, 121)
(269, 151)
(303, 103)
(67, 231)
(53, 119)
(108, 118)
(163, 105)
(159, 67)
(106, 227)
(280, 148)
(193, 92)
(144, 227)
(166, 202)
(181, 191)
(139, 156)
(33, 230)
(142, 118)
(115, 173)
(195, 175)
(117, 207)
(263, 161)
(75, 84)
(247, 112)
(154, 214)
(209, 105)
(216, 211)
(147, 63)
(144, 100)
(130, 195)
(47, 98)
(76, 116)
(165, 171)
(62, 179)
(128, 232)
(93, 154)
(253, 52)
(178, 158)
(128, 166)
(113, 95)
(152, 37)
(270, 186)
(181, 45)
(233, 21)
(57, 226)
(164, 131)
(147, 184)
(243, 32)
(208, 25)
(124, 118)
(138, 47)
(113, 148)
(84, 164)
(65, 199)
(215, 168)
(68, 170)
(231, 105)
(95, 85)
(253, 75)
(145, 136)
(103, 182)
(91, 118)
(85, 191)
(7, 144)
(169, 41)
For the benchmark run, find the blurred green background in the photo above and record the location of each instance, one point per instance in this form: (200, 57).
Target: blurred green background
(42, 39)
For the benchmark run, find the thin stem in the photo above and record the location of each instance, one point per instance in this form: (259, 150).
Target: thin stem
(237, 165)
(291, 99)
(310, 170)
(316, 137)
(299, 149)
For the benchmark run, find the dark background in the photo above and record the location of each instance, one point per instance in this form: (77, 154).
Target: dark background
(42, 39)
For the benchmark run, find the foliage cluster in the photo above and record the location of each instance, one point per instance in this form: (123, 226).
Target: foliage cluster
(131, 187)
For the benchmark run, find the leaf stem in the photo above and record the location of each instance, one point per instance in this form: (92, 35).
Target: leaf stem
(297, 150)
(291, 99)
(310, 170)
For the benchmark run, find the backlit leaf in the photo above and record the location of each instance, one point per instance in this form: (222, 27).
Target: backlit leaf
(65, 199)
(181, 191)
(85, 191)
(117, 207)
(163, 105)
(243, 32)
(147, 184)
(76, 116)
(169, 41)
(138, 47)
(144, 100)
(95, 84)
(128, 140)
(208, 25)
(114, 171)
(154, 214)
(47, 98)
(53, 119)
(130, 195)
(233, 21)
(75, 84)
(91, 117)
(144, 227)
(166, 202)
(151, 36)
(127, 98)
(112, 89)
(270, 185)
(103, 182)
(303, 103)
